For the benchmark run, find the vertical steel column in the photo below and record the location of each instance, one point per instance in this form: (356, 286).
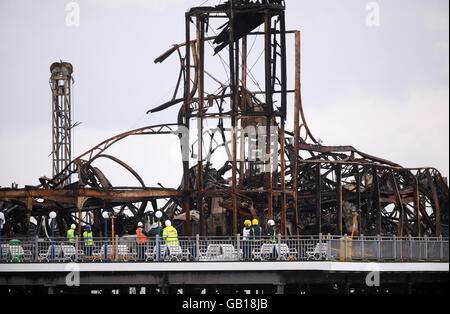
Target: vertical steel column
(319, 198)
(268, 109)
(358, 198)
(283, 179)
(243, 108)
(187, 101)
(376, 186)
(200, 25)
(417, 204)
(339, 197)
(61, 85)
(436, 207)
(296, 127)
(237, 107)
(399, 204)
(283, 120)
(80, 203)
(234, 109)
(244, 62)
(283, 66)
(29, 209)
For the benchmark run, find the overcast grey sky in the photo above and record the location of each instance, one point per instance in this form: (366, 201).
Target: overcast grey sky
(383, 90)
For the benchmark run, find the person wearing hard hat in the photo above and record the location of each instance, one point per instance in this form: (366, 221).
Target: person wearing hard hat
(255, 235)
(156, 229)
(245, 238)
(271, 233)
(141, 240)
(170, 234)
(88, 241)
(71, 234)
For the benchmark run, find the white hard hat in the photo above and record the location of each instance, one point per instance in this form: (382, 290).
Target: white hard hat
(72, 226)
(271, 222)
(168, 223)
(140, 224)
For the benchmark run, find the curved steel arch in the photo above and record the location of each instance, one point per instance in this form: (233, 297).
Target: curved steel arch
(100, 148)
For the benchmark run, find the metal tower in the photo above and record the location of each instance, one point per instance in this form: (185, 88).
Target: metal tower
(61, 84)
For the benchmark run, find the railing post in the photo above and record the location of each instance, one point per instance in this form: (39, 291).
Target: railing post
(116, 248)
(378, 247)
(362, 248)
(426, 247)
(410, 248)
(197, 246)
(345, 247)
(441, 253)
(279, 247)
(35, 249)
(401, 248)
(320, 246)
(394, 248)
(158, 247)
(328, 246)
(238, 245)
(77, 243)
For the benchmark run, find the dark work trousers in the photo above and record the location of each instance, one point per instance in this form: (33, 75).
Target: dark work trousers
(246, 249)
(275, 252)
(88, 250)
(141, 251)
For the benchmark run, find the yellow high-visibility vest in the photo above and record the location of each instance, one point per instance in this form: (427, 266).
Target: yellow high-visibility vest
(272, 236)
(88, 238)
(170, 236)
(71, 235)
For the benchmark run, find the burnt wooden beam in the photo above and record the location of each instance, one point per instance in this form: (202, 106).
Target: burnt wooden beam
(399, 204)
(435, 204)
(318, 199)
(376, 198)
(338, 170)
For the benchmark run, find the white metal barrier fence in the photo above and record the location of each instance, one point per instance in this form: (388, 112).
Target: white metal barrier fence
(200, 249)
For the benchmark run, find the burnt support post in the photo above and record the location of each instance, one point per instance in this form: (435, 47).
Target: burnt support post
(319, 198)
(283, 179)
(187, 101)
(358, 197)
(200, 26)
(399, 204)
(29, 209)
(338, 170)
(296, 128)
(436, 207)
(417, 205)
(80, 204)
(268, 108)
(376, 198)
(234, 85)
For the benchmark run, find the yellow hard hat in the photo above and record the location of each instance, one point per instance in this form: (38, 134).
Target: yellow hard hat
(255, 222)
(248, 223)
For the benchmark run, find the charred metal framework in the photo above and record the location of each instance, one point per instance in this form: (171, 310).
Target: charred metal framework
(307, 188)
(61, 86)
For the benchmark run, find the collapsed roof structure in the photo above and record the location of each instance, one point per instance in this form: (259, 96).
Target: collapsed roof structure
(271, 173)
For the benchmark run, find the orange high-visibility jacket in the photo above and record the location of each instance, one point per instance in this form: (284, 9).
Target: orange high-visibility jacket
(141, 238)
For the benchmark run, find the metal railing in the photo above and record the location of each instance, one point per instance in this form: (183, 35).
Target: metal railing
(201, 249)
